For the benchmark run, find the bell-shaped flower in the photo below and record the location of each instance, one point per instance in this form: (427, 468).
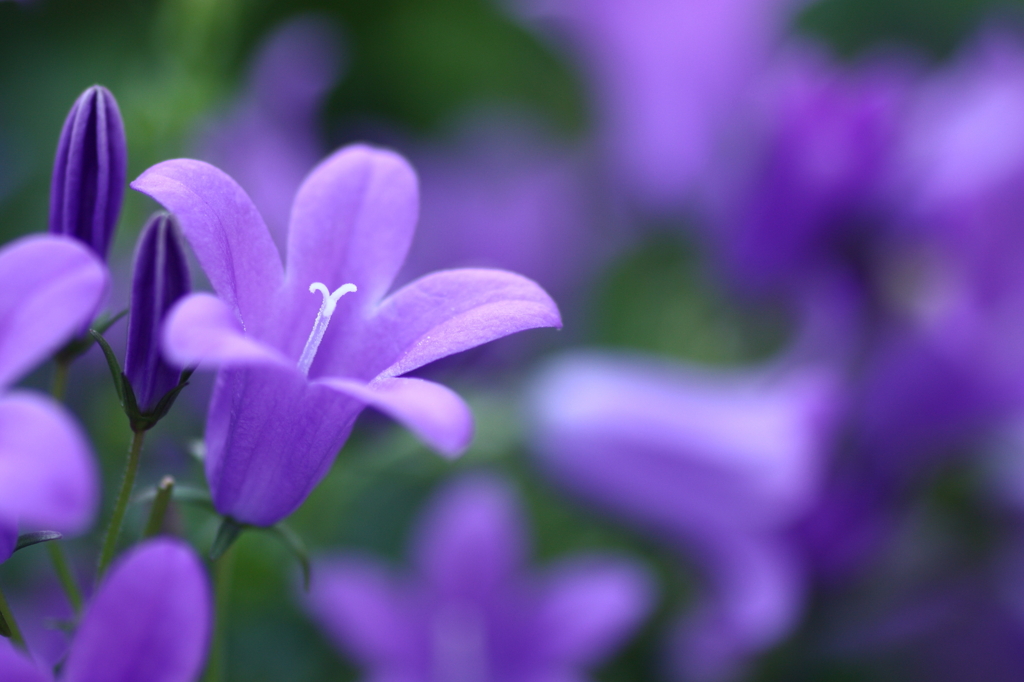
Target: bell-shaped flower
(149, 620)
(304, 348)
(49, 288)
(159, 279)
(470, 610)
(718, 465)
(90, 171)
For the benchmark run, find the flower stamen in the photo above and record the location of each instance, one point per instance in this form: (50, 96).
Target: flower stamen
(323, 318)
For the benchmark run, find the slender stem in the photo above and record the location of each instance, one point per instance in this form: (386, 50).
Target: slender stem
(159, 509)
(60, 380)
(67, 578)
(114, 529)
(223, 568)
(12, 625)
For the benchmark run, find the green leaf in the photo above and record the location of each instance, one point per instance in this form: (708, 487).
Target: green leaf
(29, 539)
(182, 494)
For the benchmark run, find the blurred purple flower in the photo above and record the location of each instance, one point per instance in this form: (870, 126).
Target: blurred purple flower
(951, 365)
(89, 171)
(269, 141)
(665, 75)
(284, 402)
(159, 279)
(719, 464)
(501, 196)
(49, 287)
(812, 176)
(470, 611)
(149, 620)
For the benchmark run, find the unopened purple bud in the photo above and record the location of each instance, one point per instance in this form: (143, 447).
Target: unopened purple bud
(89, 173)
(159, 278)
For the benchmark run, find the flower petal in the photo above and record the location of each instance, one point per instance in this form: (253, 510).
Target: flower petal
(149, 620)
(48, 478)
(202, 330)
(444, 313)
(271, 435)
(471, 543)
(50, 288)
(363, 608)
(353, 221)
(17, 667)
(433, 412)
(225, 231)
(590, 606)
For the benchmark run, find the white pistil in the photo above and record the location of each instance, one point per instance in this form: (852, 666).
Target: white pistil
(323, 318)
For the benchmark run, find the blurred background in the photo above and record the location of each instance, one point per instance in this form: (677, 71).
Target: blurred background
(787, 241)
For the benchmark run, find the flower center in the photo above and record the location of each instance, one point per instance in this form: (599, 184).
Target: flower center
(323, 318)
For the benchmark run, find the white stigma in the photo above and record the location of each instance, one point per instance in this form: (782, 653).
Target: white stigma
(323, 318)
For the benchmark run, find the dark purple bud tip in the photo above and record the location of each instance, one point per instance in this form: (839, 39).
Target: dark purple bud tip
(159, 278)
(89, 173)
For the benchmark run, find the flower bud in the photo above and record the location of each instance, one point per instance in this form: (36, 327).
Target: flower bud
(159, 278)
(90, 171)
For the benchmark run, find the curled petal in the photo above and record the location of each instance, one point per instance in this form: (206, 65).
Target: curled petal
(48, 478)
(225, 230)
(50, 288)
(433, 412)
(202, 330)
(447, 312)
(149, 620)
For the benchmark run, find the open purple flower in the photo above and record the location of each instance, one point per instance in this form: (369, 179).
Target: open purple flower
(470, 611)
(149, 620)
(49, 288)
(294, 379)
(716, 464)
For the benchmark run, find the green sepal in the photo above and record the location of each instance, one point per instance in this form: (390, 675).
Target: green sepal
(29, 539)
(229, 531)
(294, 543)
(5, 629)
(80, 345)
(137, 419)
(115, 367)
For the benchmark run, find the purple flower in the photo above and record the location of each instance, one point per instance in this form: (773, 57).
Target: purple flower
(269, 140)
(815, 174)
(716, 464)
(469, 611)
(49, 288)
(159, 278)
(665, 75)
(294, 379)
(149, 620)
(90, 170)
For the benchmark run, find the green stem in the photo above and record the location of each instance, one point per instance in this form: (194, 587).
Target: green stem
(223, 569)
(12, 625)
(60, 380)
(114, 529)
(67, 578)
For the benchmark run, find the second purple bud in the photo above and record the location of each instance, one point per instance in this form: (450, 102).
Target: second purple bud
(159, 278)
